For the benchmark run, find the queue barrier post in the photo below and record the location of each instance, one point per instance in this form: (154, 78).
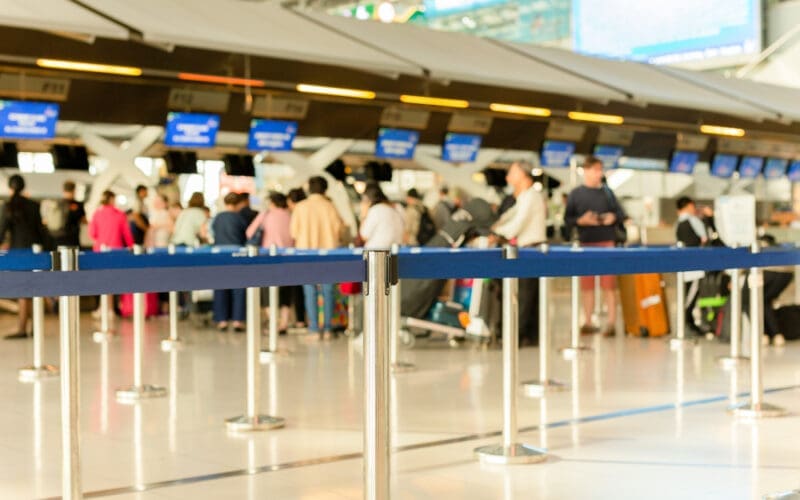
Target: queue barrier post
(69, 333)
(735, 358)
(105, 333)
(756, 407)
(38, 370)
(679, 340)
(139, 390)
(381, 269)
(510, 451)
(253, 420)
(397, 366)
(575, 349)
(173, 342)
(537, 388)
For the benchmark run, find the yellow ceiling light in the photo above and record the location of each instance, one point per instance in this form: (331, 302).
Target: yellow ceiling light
(335, 91)
(110, 69)
(519, 110)
(595, 117)
(434, 101)
(718, 130)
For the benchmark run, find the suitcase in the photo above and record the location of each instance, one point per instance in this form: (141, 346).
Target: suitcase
(644, 305)
(150, 305)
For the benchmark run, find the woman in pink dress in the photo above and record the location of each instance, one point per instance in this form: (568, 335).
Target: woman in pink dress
(275, 222)
(109, 226)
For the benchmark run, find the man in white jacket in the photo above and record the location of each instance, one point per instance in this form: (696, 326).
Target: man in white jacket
(525, 225)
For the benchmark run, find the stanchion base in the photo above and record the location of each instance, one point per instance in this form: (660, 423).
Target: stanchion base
(243, 423)
(498, 454)
(266, 357)
(569, 353)
(785, 495)
(537, 389)
(764, 410)
(168, 345)
(134, 393)
(101, 337)
(730, 362)
(34, 373)
(403, 367)
(676, 344)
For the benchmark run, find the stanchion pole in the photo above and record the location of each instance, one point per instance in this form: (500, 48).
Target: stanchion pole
(271, 353)
(735, 358)
(253, 420)
(510, 451)
(381, 274)
(139, 390)
(598, 301)
(38, 370)
(679, 340)
(537, 388)
(105, 333)
(575, 349)
(394, 313)
(173, 342)
(756, 407)
(69, 329)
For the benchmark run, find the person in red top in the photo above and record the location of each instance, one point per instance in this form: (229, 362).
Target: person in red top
(109, 225)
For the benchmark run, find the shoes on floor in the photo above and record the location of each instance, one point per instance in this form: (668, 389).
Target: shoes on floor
(327, 335)
(779, 340)
(238, 327)
(16, 336)
(610, 332)
(589, 329)
(765, 340)
(222, 326)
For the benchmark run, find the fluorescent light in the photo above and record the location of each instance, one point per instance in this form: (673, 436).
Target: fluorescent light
(595, 117)
(434, 101)
(336, 91)
(718, 130)
(223, 80)
(519, 110)
(89, 67)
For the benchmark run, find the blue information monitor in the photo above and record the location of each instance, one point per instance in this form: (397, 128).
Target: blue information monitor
(271, 135)
(794, 171)
(28, 120)
(461, 148)
(750, 167)
(609, 155)
(396, 143)
(557, 153)
(775, 168)
(723, 165)
(683, 162)
(191, 130)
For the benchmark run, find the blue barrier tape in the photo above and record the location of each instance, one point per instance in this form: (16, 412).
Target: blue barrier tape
(24, 260)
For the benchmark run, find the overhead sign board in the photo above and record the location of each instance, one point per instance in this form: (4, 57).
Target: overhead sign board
(557, 153)
(198, 100)
(470, 123)
(565, 131)
(22, 86)
(281, 107)
(271, 135)
(609, 155)
(28, 120)
(416, 119)
(461, 148)
(191, 130)
(396, 143)
(617, 136)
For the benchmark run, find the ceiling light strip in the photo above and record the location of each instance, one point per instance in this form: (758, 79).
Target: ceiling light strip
(110, 69)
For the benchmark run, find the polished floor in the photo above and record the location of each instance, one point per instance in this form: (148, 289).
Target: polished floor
(638, 421)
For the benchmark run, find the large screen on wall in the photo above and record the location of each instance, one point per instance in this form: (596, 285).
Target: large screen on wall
(191, 130)
(674, 32)
(28, 120)
(396, 143)
(557, 153)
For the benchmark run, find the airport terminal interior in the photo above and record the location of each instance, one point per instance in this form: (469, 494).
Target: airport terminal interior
(411, 249)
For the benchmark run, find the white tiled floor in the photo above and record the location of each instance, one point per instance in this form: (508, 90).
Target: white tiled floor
(640, 445)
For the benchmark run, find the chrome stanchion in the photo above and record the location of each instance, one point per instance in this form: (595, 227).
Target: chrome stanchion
(139, 390)
(253, 420)
(105, 333)
(598, 301)
(38, 370)
(271, 353)
(735, 358)
(394, 316)
(679, 340)
(69, 329)
(537, 388)
(381, 274)
(510, 451)
(756, 407)
(174, 342)
(575, 349)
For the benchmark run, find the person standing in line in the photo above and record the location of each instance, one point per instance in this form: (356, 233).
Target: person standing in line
(525, 224)
(593, 210)
(443, 208)
(381, 223)
(294, 197)
(229, 229)
(22, 219)
(190, 224)
(139, 221)
(245, 209)
(691, 231)
(161, 223)
(275, 223)
(316, 225)
(73, 216)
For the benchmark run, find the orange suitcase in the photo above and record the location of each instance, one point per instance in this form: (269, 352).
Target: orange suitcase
(644, 305)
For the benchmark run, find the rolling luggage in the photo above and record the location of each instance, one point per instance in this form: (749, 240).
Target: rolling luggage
(644, 305)
(150, 305)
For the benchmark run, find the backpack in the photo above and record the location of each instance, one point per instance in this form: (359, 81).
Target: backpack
(54, 215)
(427, 229)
